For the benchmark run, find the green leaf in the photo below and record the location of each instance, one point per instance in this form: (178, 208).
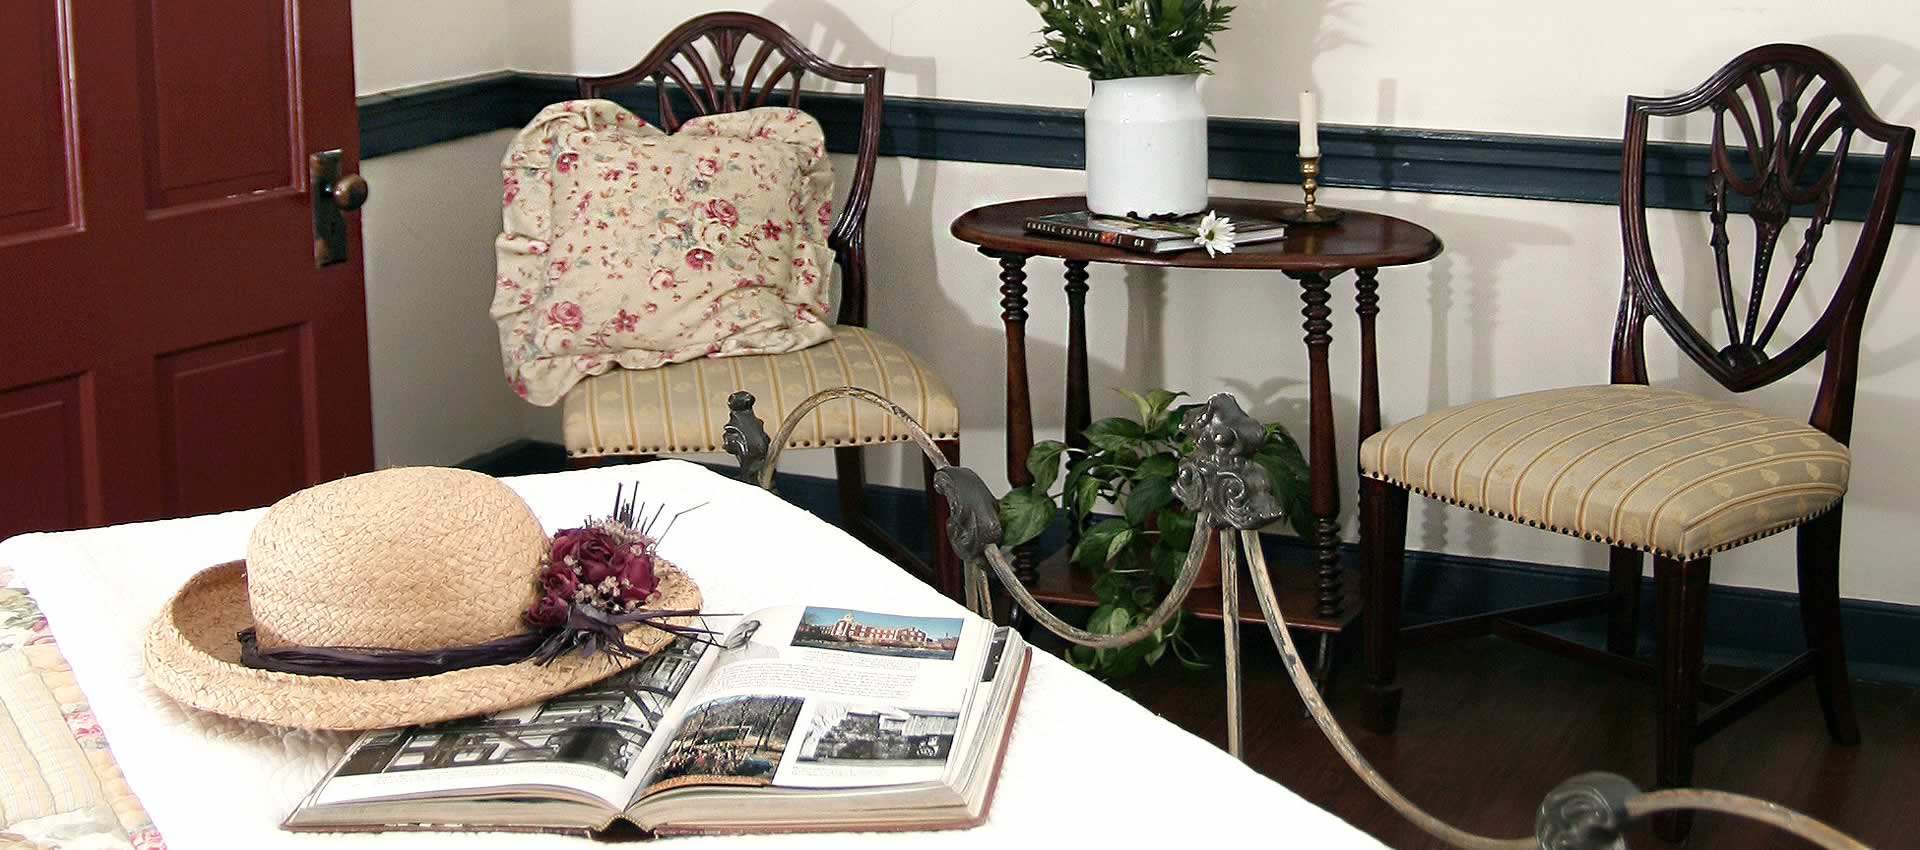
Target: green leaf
(1119, 543)
(1153, 655)
(1096, 543)
(1140, 403)
(1110, 620)
(1116, 426)
(1115, 588)
(1116, 434)
(1024, 513)
(1167, 558)
(1084, 494)
(1157, 403)
(1280, 457)
(1146, 498)
(1162, 465)
(1043, 462)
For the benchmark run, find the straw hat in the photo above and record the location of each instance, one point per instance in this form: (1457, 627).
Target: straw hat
(413, 558)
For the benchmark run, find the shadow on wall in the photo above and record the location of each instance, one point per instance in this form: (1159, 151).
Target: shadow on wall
(898, 184)
(551, 25)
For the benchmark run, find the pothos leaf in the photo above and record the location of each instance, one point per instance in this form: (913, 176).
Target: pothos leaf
(1097, 543)
(1024, 513)
(1043, 462)
(1146, 497)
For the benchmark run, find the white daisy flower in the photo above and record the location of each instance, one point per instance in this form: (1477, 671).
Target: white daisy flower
(1215, 234)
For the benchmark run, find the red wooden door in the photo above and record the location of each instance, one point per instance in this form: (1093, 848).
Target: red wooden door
(167, 345)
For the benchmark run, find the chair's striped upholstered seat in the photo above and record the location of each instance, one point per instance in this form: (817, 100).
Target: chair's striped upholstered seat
(1652, 469)
(683, 407)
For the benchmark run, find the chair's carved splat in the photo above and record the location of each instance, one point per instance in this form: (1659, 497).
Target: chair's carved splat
(973, 515)
(1785, 119)
(745, 437)
(1219, 478)
(1587, 812)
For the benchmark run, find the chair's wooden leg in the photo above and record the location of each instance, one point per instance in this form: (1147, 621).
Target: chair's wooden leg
(1683, 588)
(946, 564)
(1623, 617)
(1383, 542)
(1820, 613)
(850, 468)
(584, 461)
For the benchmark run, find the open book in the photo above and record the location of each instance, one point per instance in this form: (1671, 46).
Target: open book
(802, 719)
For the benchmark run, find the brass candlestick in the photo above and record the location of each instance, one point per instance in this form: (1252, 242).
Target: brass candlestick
(1310, 183)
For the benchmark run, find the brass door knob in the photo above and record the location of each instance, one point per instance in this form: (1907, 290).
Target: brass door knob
(348, 192)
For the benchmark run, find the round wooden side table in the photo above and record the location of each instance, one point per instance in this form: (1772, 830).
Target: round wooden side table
(1312, 255)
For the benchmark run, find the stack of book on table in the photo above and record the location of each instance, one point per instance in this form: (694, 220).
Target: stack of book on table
(1148, 237)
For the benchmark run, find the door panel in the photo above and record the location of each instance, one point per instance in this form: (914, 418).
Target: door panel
(173, 349)
(211, 132)
(37, 169)
(236, 406)
(44, 428)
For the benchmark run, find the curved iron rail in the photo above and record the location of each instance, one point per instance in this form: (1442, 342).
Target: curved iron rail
(1233, 497)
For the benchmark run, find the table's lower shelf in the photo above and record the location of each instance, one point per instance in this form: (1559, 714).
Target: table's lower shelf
(1061, 583)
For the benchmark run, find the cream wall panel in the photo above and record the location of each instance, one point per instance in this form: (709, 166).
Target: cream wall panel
(439, 395)
(400, 43)
(1556, 68)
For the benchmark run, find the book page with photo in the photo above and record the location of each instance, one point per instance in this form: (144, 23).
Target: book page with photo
(594, 742)
(829, 697)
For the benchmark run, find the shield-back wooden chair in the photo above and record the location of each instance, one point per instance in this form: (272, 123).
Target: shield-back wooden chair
(1647, 469)
(724, 62)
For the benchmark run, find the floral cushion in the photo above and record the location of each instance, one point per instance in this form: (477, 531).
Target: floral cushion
(627, 247)
(59, 786)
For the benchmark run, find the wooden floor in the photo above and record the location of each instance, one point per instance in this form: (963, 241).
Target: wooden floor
(1488, 727)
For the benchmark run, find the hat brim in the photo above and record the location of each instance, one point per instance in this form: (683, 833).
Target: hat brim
(192, 654)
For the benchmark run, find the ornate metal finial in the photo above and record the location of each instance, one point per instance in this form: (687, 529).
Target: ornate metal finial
(1587, 812)
(973, 516)
(1220, 477)
(745, 437)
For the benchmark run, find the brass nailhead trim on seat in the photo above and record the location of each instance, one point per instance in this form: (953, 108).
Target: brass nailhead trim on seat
(1601, 538)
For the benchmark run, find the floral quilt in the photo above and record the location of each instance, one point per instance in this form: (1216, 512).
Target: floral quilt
(623, 246)
(59, 786)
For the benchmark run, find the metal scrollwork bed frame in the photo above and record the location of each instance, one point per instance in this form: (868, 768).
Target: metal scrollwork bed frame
(1233, 498)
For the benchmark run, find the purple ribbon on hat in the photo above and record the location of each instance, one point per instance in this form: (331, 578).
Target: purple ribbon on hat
(588, 630)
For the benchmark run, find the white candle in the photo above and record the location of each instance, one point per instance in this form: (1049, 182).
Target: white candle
(1309, 125)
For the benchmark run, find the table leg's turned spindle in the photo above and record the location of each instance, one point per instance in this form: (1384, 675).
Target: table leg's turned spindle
(1323, 474)
(1366, 305)
(1079, 402)
(1013, 314)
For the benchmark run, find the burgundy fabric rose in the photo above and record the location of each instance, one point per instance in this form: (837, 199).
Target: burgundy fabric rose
(594, 552)
(639, 578)
(559, 581)
(550, 611)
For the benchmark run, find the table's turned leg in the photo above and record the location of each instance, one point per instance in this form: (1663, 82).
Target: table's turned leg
(1013, 314)
(1079, 401)
(1366, 305)
(1323, 473)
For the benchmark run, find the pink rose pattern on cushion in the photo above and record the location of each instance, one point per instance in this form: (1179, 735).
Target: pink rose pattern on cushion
(624, 247)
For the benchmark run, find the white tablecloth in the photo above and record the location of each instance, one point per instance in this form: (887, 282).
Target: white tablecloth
(1087, 767)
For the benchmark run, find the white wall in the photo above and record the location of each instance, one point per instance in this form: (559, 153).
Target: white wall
(1522, 299)
(438, 394)
(402, 43)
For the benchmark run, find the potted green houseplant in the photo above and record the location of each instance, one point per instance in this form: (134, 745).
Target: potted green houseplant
(1135, 556)
(1146, 127)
